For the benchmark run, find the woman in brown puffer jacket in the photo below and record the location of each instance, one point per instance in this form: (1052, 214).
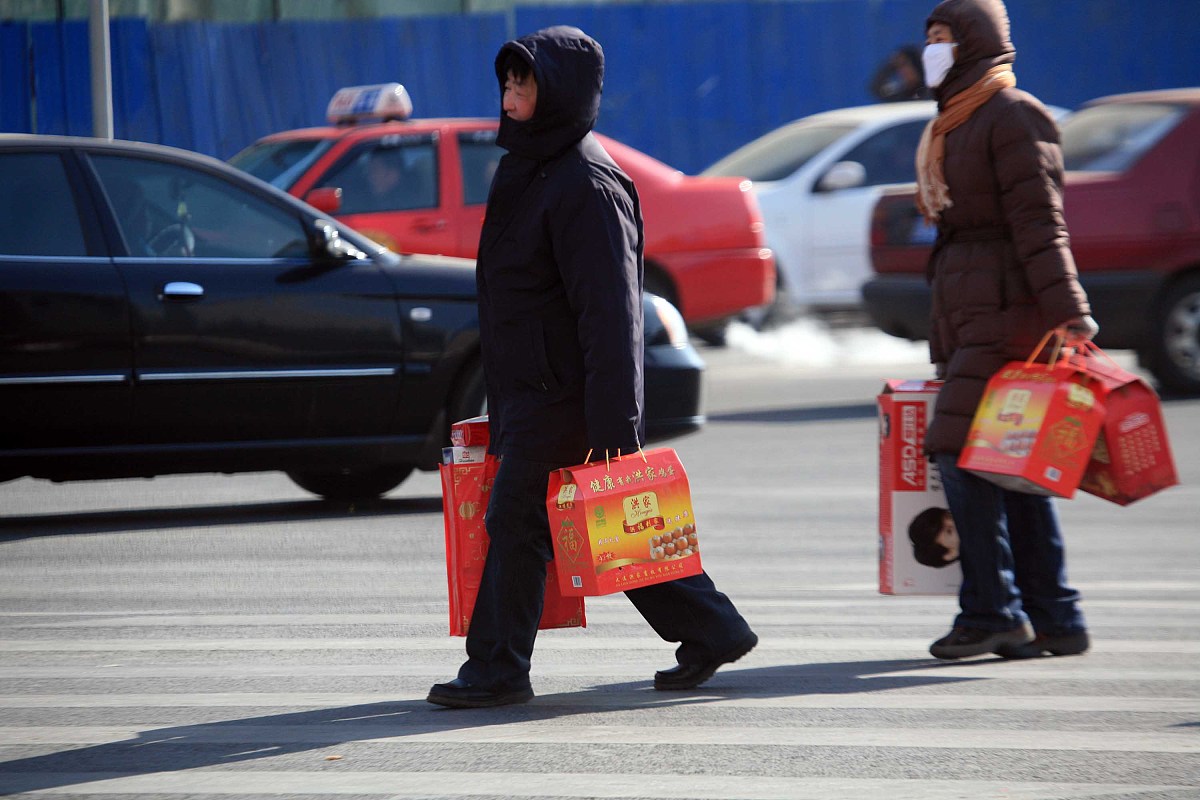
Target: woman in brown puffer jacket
(989, 172)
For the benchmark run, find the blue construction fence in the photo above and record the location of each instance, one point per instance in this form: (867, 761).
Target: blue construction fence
(686, 82)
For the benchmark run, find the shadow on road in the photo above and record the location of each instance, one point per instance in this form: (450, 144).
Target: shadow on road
(799, 414)
(235, 741)
(124, 520)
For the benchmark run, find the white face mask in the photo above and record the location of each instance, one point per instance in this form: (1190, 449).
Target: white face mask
(937, 60)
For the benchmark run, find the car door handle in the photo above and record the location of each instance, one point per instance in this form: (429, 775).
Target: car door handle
(426, 226)
(181, 290)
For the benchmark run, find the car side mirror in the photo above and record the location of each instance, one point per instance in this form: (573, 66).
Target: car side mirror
(843, 175)
(329, 245)
(327, 199)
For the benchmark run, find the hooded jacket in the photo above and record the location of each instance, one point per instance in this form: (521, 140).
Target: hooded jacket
(1001, 271)
(559, 271)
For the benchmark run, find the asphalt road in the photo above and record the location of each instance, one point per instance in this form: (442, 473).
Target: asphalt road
(213, 636)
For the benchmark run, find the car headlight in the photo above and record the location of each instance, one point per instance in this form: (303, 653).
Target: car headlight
(671, 321)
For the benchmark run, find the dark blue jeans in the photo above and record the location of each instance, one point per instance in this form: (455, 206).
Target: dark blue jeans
(1012, 555)
(512, 591)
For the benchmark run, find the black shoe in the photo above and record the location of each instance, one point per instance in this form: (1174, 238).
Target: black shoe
(966, 642)
(460, 694)
(689, 676)
(1066, 644)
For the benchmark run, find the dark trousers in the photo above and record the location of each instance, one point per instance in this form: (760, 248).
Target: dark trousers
(1012, 555)
(512, 591)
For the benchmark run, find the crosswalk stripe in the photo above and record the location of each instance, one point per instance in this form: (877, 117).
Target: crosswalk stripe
(530, 733)
(204, 782)
(647, 698)
(765, 620)
(567, 639)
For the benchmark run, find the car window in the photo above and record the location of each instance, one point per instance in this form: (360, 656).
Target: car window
(394, 173)
(889, 155)
(780, 153)
(480, 155)
(38, 214)
(1110, 138)
(281, 163)
(167, 210)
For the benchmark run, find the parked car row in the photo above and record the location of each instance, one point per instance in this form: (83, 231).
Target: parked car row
(162, 312)
(1132, 207)
(420, 185)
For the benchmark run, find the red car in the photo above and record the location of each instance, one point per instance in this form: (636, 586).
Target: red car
(419, 186)
(1132, 205)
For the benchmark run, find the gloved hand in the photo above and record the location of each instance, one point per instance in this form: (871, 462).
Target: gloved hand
(1080, 329)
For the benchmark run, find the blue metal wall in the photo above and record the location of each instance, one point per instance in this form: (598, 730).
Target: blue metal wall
(686, 83)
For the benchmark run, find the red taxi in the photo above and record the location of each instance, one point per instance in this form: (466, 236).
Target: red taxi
(420, 185)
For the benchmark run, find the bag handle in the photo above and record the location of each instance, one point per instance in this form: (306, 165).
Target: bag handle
(608, 461)
(1054, 353)
(1093, 349)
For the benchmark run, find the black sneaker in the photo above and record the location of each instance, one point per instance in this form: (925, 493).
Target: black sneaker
(460, 694)
(1065, 644)
(967, 642)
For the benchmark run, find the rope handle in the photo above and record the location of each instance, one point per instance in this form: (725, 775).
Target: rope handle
(1054, 353)
(608, 460)
(1093, 349)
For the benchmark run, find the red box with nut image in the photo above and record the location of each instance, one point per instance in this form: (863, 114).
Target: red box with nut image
(622, 524)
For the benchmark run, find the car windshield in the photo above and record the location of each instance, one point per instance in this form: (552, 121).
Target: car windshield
(280, 163)
(780, 153)
(1110, 138)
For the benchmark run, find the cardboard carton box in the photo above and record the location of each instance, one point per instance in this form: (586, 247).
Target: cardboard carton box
(910, 495)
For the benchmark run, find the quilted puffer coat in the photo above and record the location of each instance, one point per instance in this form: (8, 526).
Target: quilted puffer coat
(1001, 271)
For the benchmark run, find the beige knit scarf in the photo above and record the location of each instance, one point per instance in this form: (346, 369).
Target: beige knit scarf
(932, 193)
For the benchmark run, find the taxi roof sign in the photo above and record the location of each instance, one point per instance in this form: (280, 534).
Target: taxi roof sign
(379, 101)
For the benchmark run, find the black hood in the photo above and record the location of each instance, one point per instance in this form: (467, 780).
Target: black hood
(568, 66)
(981, 29)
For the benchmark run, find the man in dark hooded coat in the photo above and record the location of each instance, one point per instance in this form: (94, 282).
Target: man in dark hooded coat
(560, 311)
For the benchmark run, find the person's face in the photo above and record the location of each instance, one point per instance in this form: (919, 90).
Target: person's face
(939, 32)
(520, 97)
(947, 537)
(381, 175)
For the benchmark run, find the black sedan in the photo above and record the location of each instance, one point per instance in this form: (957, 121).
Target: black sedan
(162, 312)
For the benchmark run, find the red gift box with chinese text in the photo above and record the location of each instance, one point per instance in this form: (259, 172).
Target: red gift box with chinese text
(1132, 458)
(1035, 427)
(465, 489)
(622, 524)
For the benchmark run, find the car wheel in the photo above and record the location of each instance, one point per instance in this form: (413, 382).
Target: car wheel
(655, 282)
(1174, 357)
(713, 334)
(351, 484)
(469, 398)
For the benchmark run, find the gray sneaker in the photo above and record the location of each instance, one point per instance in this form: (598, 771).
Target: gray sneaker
(967, 642)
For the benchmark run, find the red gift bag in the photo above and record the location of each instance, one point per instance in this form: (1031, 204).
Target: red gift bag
(467, 474)
(622, 524)
(1132, 458)
(1035, 427)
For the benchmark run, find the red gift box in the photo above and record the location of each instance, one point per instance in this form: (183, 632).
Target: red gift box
(465, 490)
(1035, 427)
(622, 524)
(1132, 458)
